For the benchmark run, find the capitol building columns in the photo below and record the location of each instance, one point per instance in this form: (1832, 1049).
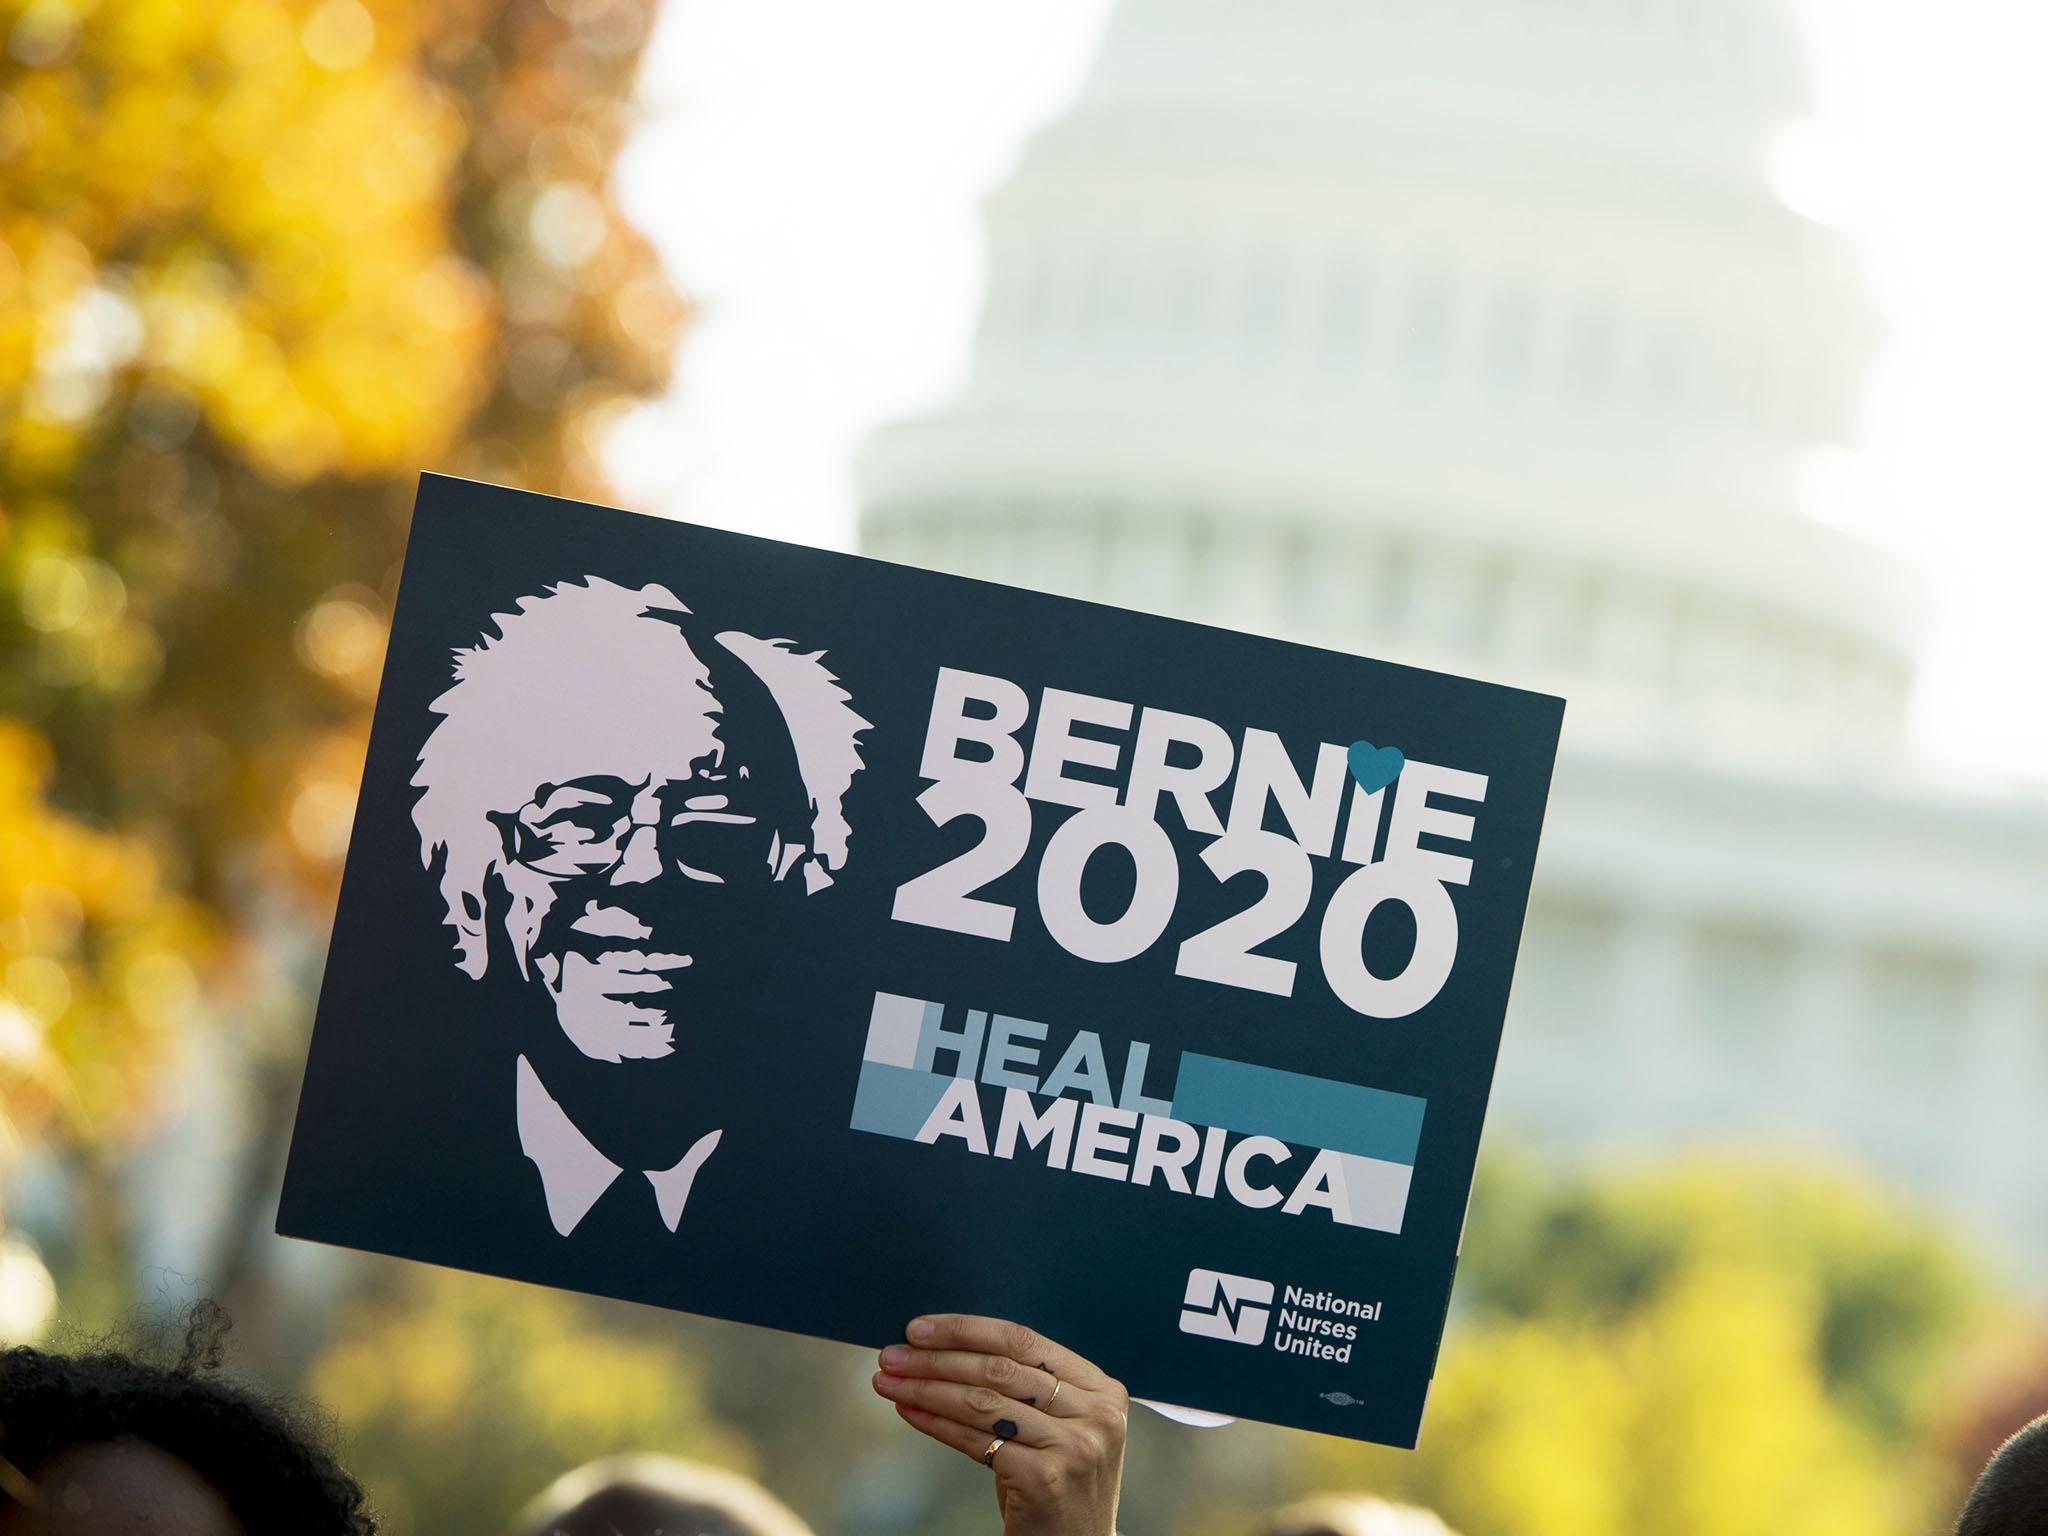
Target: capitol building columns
(1820, 1032)
(1645, 1025)
(2005, 1081)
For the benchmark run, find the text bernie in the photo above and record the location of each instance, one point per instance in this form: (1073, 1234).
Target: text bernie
(991, 756)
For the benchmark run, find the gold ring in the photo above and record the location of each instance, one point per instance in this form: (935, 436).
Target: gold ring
(988, 1457)
(1055, 1395)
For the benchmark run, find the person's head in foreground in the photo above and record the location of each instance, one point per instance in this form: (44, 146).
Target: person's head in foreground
(1351, 1514)
(649, 1495)
(106, 1443)
(2011, 1497)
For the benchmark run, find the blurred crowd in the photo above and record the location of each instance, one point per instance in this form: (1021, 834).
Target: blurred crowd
(107, 1442)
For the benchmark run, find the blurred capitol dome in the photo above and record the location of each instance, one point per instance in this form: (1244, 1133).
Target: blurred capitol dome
(1472, 335)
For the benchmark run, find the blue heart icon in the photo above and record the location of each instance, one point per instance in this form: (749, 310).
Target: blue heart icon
(1375, 767)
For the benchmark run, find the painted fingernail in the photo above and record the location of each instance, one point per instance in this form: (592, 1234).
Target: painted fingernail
(920, 1330)
(1007, 1428)
(895, 1355)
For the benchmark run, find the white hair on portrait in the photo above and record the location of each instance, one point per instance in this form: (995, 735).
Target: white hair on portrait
(822, 728)
(538, 700)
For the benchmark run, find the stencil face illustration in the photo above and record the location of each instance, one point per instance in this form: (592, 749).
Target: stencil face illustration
(603, 772)
(614, 868)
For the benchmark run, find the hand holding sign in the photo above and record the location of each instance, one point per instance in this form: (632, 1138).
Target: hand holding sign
(1048, 1423)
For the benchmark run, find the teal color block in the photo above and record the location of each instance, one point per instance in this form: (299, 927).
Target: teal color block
(896, 1101)
(1307, 1111)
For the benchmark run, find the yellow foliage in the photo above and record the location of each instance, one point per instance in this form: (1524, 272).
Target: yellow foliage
(1734, 1430)
(461, 1383)
(96, 960)
(1703, 1413)
(252, 255)
(235, 203)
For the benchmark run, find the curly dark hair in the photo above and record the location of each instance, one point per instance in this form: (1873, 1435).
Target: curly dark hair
(264, 1459)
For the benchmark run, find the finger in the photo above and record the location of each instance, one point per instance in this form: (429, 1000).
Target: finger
(976, 1407)
(964, 1438)
(994, 1336)
(1026, 1383)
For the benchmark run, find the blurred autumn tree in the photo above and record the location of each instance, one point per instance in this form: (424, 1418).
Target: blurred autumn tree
(1714, 1349)
(502, 1388)
(260, 263)
(96, 959)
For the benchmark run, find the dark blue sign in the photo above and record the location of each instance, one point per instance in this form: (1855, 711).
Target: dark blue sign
(813, 941)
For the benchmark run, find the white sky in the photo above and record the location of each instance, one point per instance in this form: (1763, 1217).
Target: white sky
(811, 171)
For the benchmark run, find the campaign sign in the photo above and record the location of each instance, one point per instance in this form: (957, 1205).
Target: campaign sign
(814, 941)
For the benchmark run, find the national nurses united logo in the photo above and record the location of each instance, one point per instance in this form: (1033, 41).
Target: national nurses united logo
(1315, 1324)
(608, 771)
(1233, 1307)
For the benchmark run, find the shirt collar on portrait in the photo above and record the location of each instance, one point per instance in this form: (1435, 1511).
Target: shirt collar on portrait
(575, 1174)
